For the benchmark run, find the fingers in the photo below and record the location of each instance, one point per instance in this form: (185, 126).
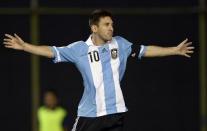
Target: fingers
(190, 51)
(12, 39)
(7, 40)
(16, 36)
(8, 44)
(9, 36)
(190, 48)
(186, 55)
(185, 40)
(14, 42)
(188, 44)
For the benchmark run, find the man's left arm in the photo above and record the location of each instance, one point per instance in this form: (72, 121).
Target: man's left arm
(183, 49)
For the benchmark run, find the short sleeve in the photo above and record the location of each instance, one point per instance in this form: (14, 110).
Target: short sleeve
(142, 51)
(39, 113)
(130, 48)
(65, 53)
(138, 50)
(124, 44)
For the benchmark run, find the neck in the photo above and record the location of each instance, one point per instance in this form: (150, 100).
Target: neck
(97, 40)
(51, 107)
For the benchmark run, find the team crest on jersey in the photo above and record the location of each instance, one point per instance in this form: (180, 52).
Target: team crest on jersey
(114, 53)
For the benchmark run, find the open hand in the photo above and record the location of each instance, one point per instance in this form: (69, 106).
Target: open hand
(185, 48)
(14, 42)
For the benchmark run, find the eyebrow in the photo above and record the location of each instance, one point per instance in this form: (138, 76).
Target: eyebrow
(109, 23)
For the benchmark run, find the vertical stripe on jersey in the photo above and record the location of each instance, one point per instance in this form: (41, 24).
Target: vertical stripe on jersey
(109, 87)
(87, 106)
(97, 74)
(115, 64)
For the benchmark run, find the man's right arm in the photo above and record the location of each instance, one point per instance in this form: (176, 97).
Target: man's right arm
(15, 42)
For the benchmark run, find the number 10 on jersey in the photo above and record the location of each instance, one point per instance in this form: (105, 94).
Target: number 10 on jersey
(94, 56)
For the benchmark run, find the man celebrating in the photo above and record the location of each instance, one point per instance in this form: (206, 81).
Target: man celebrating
(101, 61)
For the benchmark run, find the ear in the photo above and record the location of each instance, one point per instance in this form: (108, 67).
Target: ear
(94, 28)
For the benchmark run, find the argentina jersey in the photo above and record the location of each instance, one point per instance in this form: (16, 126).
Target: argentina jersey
(102, 68)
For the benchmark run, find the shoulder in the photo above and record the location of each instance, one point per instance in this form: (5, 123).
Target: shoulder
(124, 43)
(62, 110)
(78, 47)
(41, 110)
(119, 38)
(77, 44)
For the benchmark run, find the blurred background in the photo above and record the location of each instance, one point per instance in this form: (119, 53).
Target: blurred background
(162, 94)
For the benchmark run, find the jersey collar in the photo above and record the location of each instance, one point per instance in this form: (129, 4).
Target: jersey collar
(89, 41)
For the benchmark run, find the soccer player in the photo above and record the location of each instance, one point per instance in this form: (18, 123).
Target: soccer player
(101, 60)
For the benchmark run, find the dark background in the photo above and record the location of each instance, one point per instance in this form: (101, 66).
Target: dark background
(162, 94)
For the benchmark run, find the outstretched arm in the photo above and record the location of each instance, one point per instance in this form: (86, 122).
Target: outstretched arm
(15, 42)
(183, 49)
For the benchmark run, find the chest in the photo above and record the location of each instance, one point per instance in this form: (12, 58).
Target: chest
(51, 116)
(103, 55)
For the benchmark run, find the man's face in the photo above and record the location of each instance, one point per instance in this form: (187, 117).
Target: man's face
(104, 28)
(50, 100)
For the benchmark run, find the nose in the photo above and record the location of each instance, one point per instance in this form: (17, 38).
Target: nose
(111, 28)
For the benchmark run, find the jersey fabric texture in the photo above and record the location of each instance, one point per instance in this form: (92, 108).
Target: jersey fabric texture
(102, 68)
(51, 120)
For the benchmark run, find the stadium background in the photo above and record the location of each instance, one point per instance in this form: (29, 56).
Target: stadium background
(162, 94)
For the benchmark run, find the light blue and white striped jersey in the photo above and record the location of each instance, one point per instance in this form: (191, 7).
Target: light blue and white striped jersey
(102, 68)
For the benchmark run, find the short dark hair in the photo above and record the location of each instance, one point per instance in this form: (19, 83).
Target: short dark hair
(51, 90)
(96, 15)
